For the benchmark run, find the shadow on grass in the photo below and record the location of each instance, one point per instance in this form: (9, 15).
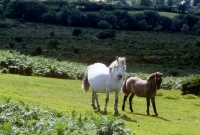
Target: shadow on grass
(124, 117)
(155, 116)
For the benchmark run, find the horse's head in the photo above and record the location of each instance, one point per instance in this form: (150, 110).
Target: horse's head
(120, 65)
(155, 78)
(158, 79)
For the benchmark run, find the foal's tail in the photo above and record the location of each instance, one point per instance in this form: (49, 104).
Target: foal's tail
(124, 87)
(85, 83)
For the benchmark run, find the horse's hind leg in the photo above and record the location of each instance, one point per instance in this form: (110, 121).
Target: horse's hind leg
(93, 100)
(154, 105)
(130, 101)
(96, 97)
(148, 104)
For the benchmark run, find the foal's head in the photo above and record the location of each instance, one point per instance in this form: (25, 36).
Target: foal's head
(156, 78)
(120, 65)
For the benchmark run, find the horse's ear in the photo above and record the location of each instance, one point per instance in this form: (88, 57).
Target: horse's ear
(110, 69)
(116, 57)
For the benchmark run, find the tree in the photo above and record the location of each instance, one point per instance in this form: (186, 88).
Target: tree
(146, 3)
(182, 6)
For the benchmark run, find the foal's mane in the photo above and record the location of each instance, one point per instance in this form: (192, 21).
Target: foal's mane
(151, 76)
(121, 60)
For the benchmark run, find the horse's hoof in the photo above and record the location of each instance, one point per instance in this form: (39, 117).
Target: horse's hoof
(93, 106)
(105, 112)
(117, 113)
(132, 111)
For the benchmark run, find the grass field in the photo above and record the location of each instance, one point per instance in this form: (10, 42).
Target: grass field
(178, 115)
(168, 14)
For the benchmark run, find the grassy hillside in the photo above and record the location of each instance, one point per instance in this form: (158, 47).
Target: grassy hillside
(177, 114)
(145, 52)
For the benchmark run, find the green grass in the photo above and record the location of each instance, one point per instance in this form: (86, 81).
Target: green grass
(168, 14)
(177, 114)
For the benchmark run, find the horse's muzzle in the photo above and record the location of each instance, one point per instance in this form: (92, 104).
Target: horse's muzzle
(119, 77)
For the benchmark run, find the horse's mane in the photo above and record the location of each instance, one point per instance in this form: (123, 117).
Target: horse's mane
(151, 76)
(121, 60)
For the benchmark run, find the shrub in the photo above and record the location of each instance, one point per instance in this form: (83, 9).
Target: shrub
(185, 29)
(24, 119)
(142, 24)
(37, 51)
(52, 34)
(103, 24)
(106, 34)
(18, 39)
(174, 73)
(3, 25)
(157, 29)
(49, 17)
(197, 43)
(191, 86)
(197, 32)
(76, 32)
(53, 44)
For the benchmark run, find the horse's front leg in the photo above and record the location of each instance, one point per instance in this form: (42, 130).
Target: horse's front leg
(148, 104)
(106, 100)
(116, 102)
(154, 105)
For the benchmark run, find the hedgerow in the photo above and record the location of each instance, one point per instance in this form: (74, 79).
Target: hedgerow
(15, 63)
(23, 119)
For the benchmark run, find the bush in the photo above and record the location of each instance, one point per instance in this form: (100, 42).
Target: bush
(142, 24)
(197, 32)
(53, 44)
(185, 29)
(191, 86)
(103, 24)
(37, 51)
(197, 43)
(157, 29)
(76, 32)
(18, 39)
(49, 17)
(106, 34)
(24, 119)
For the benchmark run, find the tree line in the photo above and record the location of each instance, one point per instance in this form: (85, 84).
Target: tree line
(36, 11)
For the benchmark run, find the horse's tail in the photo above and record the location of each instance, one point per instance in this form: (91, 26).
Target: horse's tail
(124, 87)
(85, 82)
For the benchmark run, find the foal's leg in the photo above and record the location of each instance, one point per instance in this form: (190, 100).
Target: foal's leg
(148, 104)
(154, 105)
(130, 101)
(123, 105)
